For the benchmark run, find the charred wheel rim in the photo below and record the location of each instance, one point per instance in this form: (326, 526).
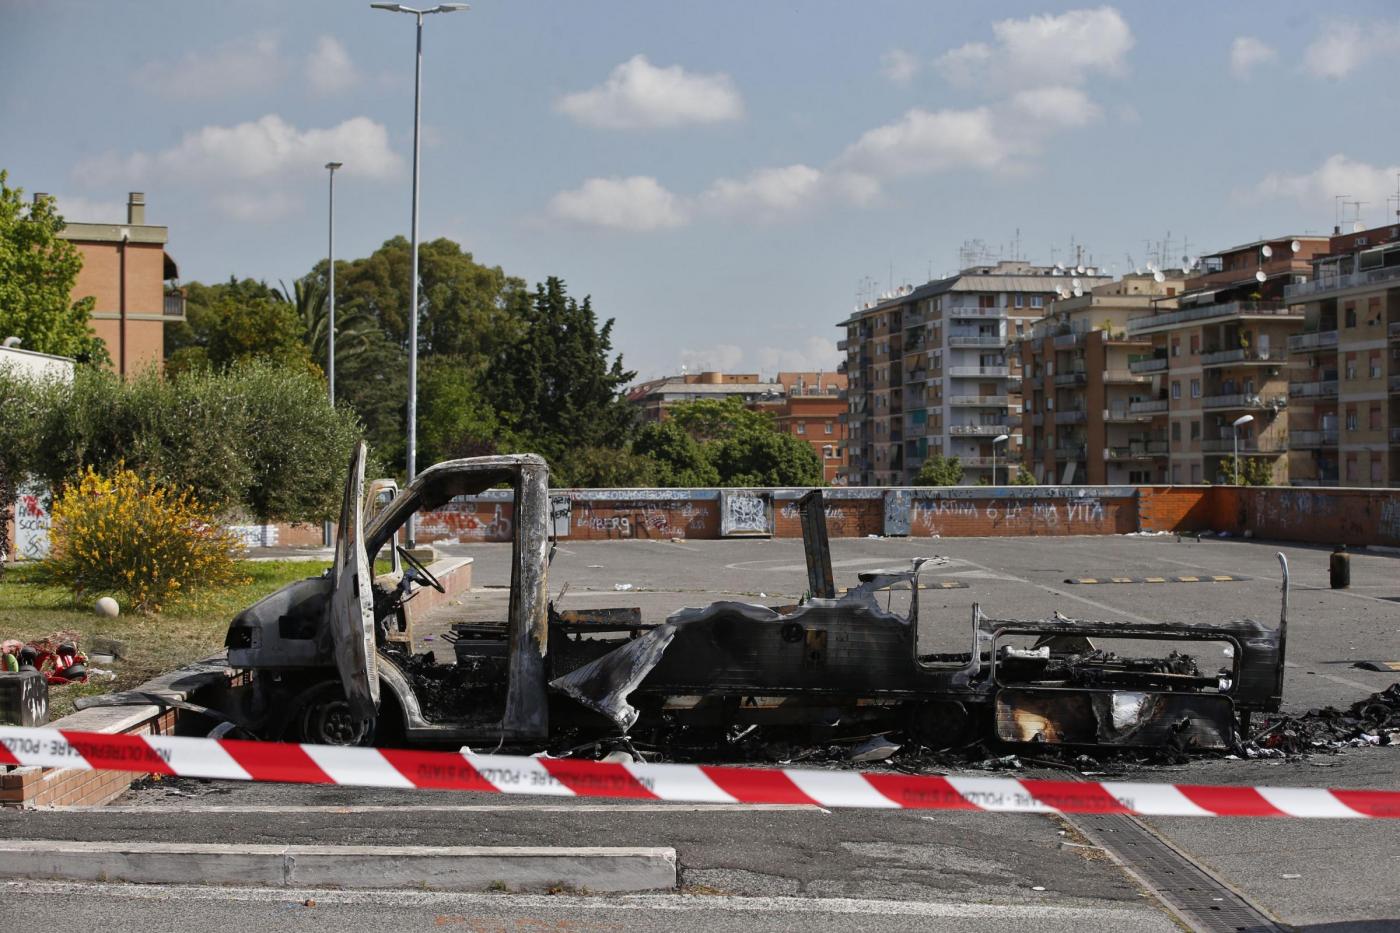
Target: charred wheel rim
(326, 719)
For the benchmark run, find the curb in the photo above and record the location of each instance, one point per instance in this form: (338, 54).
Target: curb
(443, 868)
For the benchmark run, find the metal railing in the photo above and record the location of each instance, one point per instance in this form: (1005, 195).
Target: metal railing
(1150, 322)
(1217, 357)
(174, 304)
(1037, 419)
(987, 371)
(1243, 400)
(1336, 283)
(1070, 453)
(1071, 417)
(1326, 388)
(1248, 445)
(1148, 406)
(1072, 379)
(1314, 340)
(1301, 439)
(978, 401)
(1125, 376)
(1153, 364)
(1125, 414)
(1064, 341)
(978, 430)
(976, 340)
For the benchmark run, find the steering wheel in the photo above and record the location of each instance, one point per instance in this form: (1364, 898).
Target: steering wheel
(419, 570)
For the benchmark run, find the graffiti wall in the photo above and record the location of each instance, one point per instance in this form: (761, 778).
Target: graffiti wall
(32, 522)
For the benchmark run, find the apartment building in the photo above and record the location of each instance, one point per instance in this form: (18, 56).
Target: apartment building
(1089, 402)
(1220, 354)
(930, 374)
(1344, 402)
(655, 396)
(133, 282)
(811, 410)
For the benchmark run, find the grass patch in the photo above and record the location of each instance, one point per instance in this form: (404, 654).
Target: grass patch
(194, 628)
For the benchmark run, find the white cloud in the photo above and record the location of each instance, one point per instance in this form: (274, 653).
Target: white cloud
(1055, 106)
(722, 357)
(76, 209)
(1061, 49)
(235, 67)
(812, 354)
(329, 69)
(767, 193)
(639, 95)
(899, 66)
(638, 204)
(1248, 53)
(267, 148)
(1338, 175)
(921, 142)
(1345, 46)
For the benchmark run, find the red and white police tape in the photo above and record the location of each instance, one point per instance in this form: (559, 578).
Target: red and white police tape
(231, 759)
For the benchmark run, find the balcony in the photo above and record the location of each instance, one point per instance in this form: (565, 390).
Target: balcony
(1071, 452)
(1326, 388)
(977, 462)
(1121, 415)
(976, 340)
(1125, 377)
(1302, 440)
(989, 372)
(1313, 340)
(971, 313)
(1395, 435)
(1037, 419)
(1148, 406)
(1247, 445)
(1243, 400)
(978, 401)
(1152, 364)
(978, 430)
(174, 305)
(1338, 283)
(842, 344)
(1393, 330)
(1395, 383)
(1152, 323)
(1071, 379)
(1070, 417)
(1132, 452)
(1067, 341)
(1241, 357)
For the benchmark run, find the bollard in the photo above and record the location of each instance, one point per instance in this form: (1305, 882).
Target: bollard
(1339, 568)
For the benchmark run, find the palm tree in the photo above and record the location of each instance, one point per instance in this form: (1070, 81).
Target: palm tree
(353, 330)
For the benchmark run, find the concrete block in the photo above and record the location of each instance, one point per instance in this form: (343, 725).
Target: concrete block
(24, 699)
(443, 868)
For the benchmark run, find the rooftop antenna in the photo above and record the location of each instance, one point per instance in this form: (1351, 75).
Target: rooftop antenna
(1395, 197)
(1338, 200)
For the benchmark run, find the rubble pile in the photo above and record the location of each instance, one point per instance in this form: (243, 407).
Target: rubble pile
(1372, 721)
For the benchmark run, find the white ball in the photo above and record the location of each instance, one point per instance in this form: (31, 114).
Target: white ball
(107, 607)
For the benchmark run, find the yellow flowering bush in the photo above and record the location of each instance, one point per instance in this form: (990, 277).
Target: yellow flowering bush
(126, 535)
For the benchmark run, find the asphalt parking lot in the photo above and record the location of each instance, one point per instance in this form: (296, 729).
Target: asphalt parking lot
(800, 868)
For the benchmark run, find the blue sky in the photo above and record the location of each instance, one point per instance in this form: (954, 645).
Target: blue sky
(720, 177)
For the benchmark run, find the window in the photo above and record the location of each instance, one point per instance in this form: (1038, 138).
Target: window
(1351, 468)
(1376, 478)
(1176, 346)
(829, 452)
(1195, 344)
(1196, 473)
(801, 427)
(828, 427)
(1176, 432)
(1176, 388)
(1020, 300)
(1195, 388)
(1195, 430)
(1176, 472)
(1351, 316)
(1351, 365)
(1375, 367)
(1375, 418)
(1351, 417)
(1037, 301)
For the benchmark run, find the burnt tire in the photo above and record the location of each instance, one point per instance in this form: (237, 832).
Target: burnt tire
(322, 716)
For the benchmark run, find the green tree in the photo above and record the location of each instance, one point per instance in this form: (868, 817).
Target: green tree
(465, 306)
(1254, 471)
(680, 460)
(766, 458)
(556, 386)
(1023, 477)
(354, 330)
(606, 468)
(939, 471)
(454, 417)
(38, 270)
(714, 419)
(235, 322)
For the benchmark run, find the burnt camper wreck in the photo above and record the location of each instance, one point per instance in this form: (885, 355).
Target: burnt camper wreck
(328, 665)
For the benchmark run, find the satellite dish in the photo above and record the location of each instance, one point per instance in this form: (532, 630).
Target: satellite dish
(1260, 276)
(1151, 266)
(1159, 276)
(1075, 282)
(1059, 267)
(1137, 270)
(1194, 262)
(1295, 245)
(1267, 250)
(1079, 269)
(1357, 226)
(1078, 292)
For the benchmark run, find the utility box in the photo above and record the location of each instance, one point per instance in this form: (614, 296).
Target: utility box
(24, 699)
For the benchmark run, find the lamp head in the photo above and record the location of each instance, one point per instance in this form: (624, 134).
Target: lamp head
(1001, 437)
(334, 165)
(1243, 419)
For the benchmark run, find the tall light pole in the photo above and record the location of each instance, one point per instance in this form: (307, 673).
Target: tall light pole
(327, 539)
(412, 464)
(1239, 422)
(999, 439)
(330, 290)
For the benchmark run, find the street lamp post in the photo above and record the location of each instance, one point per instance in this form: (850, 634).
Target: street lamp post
(330, 308)
(1239, 422)
(412, 465)
(999, 439)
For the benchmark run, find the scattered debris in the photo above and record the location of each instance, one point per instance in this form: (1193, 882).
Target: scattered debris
(622, 587)
(875, 748)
